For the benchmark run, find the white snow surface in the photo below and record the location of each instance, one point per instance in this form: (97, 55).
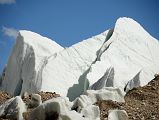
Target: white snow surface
(65, 72)
(131, 60)
(123, 57)
(25, 65)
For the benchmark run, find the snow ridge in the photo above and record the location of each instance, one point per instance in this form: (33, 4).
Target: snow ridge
(26, 62)
(130, 53)
(123, 57)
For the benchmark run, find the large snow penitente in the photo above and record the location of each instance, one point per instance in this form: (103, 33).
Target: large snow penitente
(123, 57)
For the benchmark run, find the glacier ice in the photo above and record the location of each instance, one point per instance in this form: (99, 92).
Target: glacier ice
(117, 115)
(59, 107)
(123, 57)
(91, 112)
(100, 68)
(130, 61)
(25, 65)
(13, 108)
(90, 97)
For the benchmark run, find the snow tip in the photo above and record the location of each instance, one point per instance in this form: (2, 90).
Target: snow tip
(128, 25)
(125, 21)
(31, 36)
(35, 39)
(124, 18)
(28, 33)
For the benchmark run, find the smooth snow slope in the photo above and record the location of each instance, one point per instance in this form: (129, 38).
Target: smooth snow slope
(131, 60)
(25, 65)
(124, 57)
(65, 72)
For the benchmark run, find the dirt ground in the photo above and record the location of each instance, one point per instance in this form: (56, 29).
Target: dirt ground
(47, 95)
(4, 97)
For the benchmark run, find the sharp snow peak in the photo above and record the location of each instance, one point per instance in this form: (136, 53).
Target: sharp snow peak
(110, 59)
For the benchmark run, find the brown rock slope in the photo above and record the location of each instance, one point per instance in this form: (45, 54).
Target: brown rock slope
(4, 97)
(141, 103)
(48, 95)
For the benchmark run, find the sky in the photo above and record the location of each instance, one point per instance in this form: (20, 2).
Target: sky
(70, 21)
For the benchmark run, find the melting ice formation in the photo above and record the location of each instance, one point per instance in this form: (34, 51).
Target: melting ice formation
(123, 57)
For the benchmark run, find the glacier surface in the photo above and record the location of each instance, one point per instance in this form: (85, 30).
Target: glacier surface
(123, 57)
(25, 65)
(130, 61)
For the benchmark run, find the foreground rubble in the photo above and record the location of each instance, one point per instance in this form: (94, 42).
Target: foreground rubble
(141, 103)
(3, 97)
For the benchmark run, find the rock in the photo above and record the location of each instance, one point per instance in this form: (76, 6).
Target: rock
(117, 115)
(13, 109)
(48, 95)
(4, 96)
(156, 75)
